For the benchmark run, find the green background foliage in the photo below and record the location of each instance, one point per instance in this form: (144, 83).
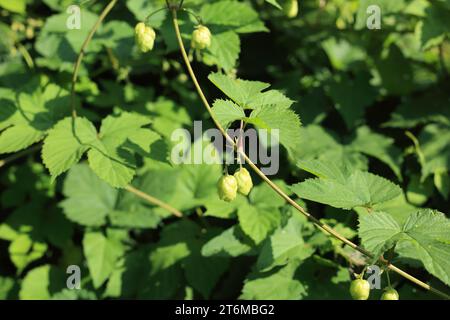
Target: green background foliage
(364, 129)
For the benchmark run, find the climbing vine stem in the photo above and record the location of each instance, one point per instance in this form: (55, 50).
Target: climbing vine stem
(154, 201)
(277, 189)
(81, 54)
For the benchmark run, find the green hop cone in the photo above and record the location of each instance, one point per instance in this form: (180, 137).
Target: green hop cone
(227, 188)
(201, 38)
(244, 181)
(145, 37)
(290, 8)
(390, 294)
(360, 289)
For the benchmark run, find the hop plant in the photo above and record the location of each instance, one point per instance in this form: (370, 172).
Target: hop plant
(290, 8)
(145, 37)
(201, 37)
(227, 188)
(390, 294)
(360, 289)
(244, 181)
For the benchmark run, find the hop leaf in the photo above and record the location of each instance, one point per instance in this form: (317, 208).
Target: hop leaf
(201, 38)
(227, 188)
(244, 181)
(145, 37)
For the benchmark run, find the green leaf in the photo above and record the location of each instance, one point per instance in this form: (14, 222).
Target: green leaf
(163, 285)
(180, 244)
(166, 256)
(224, 50)
(270, 98)
(425, 236)
(23, 250)
(34, 111)
(258, 222)
(342, 53)
(110, 158)
(378, 146)
(434, 27)
(222, 209)
(442, 182)
(230, 243)
(351, 97)
(435, 149)
(60, 45)
(359, 189)
(398, 208)
(66, 143)
(6, 287)
(36, 224)
(185, 187)
(18, 137)
(134, 216)
(411, 111)
(41, 283)
(204, 273)
(237, 15)
(89, 199)
(390, 66)
(101, 254)
(288, 123)
(126, 279)
(264, 196)
(108, 165)
(141, 9)
(59, 5)
(18, 6)
(227, 112)
(278, 285)
(284, 245)
(378, 231)
(318, 143)
(240, 91)
(325, 170)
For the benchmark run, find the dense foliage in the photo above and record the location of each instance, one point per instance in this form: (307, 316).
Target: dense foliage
(364, 127)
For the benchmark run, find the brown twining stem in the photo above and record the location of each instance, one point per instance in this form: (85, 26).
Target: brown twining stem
(328, 229)
(88, 39)
(154, 201)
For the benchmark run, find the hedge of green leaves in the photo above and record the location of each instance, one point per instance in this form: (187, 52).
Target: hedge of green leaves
(371, 155)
